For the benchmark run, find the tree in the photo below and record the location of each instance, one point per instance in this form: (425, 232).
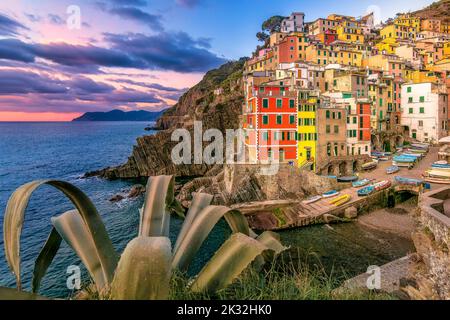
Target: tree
(273, 24)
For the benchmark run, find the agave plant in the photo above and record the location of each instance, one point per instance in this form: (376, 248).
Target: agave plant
(146, 265)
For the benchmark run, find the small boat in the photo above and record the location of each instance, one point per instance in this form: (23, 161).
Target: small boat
(360, 183)
(370, 165)
(347, 179)
(414, 155)
(408, 181)
(339, 201)
(444, 174)
(312, 199)
(384, 158)
(436, 180)
(366, 191)
(382, 185)
(408, 165)
(440, 166)
(421, 146)
(405, 159)
(330, 194)
(392, 169)
(441, 162)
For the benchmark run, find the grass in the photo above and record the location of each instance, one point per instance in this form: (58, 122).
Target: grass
(277, 283)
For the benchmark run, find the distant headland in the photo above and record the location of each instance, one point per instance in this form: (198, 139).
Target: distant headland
(119, 115)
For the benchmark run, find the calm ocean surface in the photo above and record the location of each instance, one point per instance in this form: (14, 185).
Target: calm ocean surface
(31, 151)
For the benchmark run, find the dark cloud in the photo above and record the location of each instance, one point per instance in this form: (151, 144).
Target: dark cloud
(167, 51)
(23, 82)
(131, 13)
(156, 86)
(188, 3)
(9, 26)
(56, 19)
(33, 92)
(13, 49)
(164, 51)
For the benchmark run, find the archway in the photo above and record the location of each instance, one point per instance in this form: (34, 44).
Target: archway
(375, 141)
(355, 166)
(330, 170)
(342, 170)
(387, 146)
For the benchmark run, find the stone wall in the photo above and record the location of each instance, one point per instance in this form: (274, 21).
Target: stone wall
(432, 239)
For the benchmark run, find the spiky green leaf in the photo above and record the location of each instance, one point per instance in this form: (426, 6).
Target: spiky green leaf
(74, 231)
(45, 258)
(143, 272)
(235, 256)
(199, 202)
(159, 198)
(14, 218)
(200, 228)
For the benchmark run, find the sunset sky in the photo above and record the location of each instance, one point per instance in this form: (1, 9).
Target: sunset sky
(132, 54)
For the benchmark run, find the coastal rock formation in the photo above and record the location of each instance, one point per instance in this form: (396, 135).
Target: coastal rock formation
(246, 183)
(152, 154)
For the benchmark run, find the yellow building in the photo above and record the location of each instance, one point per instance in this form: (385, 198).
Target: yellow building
(421, 76)
(350, 32)
(306, 129)
(408, 20)
(386, 47)
(447, 49)
(393, 32)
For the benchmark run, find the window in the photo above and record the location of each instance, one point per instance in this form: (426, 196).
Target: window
(336, 129)
(327, 114)
(420, 123)
(422, 99)
(265, 136)
(291, 103)
(410, 110)
(410, 100)
(355, 120)
(291, 119)
(279, 103)
(265, 119)
(265, 103)
(409, 89)
(328, 130)
(421, 110)
(279, 119)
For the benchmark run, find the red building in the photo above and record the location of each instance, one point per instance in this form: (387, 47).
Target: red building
(271, 123)
(363, 111)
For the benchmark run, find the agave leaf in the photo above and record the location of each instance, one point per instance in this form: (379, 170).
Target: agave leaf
(14, 218)
(272, 241)
(143, 272)
(236, 255)
(45, 258)
(14, 294)
(200, 228)
(74, 231)
(159, 197)
(199, 202)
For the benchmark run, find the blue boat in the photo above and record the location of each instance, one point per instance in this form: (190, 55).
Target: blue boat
(360, 183)
(347, 179)
(330, 194)
(440, 166)
(403, 158)
(392, 169)
(408, 181)
(366, 191)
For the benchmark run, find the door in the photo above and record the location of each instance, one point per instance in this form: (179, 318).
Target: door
(308, 154)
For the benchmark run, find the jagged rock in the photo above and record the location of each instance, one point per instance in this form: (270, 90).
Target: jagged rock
(117, 198)
(136, 191)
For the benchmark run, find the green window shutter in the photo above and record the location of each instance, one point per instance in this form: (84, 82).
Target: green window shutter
(279, 119)
(291, 119)
(410, 100)
(354, 120)
(422, 99)
(410, 110)
(291, 103)
(422, 110)
(265, 119)
(409, 89)
(328, 128)
(327, 114)
(265, 103)
(279, 103)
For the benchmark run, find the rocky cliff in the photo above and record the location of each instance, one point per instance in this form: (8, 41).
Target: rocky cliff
(216, 101)
(437, 10)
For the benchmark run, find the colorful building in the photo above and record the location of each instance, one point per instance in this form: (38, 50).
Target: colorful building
(308, 102)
